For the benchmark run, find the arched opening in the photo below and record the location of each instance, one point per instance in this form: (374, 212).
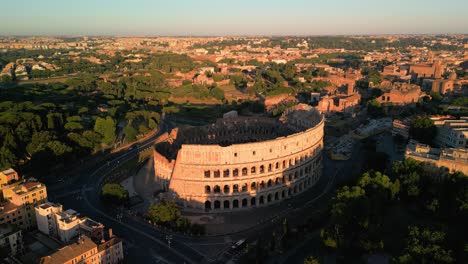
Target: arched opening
(262, 185)
(296, 175)
(283, 194)
(253, 170)
(262, 169)
(217, 204)
(226, 204)
(235, 188)
(270, 182)
(226, 189)
(269, 167)
(207, 205)
(244, 172)
(244, 187)
(207, 189)
(269, 198)
(262, 200)
(278, 181)
(217, 189)
(235, 204)
(235, 172)
(253, 186)
(207, 174)
(289, 192)
(244, 202)
(295, 189)
(253, 201)
(276, 196)
(226, 173)
(216, 174)
(277, 165)
(290, 177)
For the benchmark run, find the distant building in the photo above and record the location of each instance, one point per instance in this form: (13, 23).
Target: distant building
(433, 71)
(455, 159)
(451, 132)
(401, 93)
(401, 127)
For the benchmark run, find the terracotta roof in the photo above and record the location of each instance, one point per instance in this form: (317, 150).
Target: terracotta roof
(71, 251)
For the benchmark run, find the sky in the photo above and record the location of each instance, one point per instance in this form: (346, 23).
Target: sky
(232, 17)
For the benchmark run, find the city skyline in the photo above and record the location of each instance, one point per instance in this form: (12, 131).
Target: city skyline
(219, 18)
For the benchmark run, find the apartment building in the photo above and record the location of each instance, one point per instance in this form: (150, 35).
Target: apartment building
(66, 225)
(85, 250)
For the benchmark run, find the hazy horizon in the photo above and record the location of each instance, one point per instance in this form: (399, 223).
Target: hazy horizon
(180, 18)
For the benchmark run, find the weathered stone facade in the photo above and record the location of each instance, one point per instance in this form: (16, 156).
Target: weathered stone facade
(243, 162)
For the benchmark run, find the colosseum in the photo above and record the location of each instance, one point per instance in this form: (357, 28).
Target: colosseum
(242, 162)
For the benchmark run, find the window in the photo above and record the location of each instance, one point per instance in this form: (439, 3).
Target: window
(253, 170)
(217, 174)
(235, 154)
(207, 174)
(244, 171)
(253, 153)
(226, 173)
(235, 172)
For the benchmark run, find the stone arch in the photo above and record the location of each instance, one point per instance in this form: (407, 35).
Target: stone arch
(217, 204)
(216, 174)
(217, 189)
(253, 201)
(244, 171)
(262, 169)
(270, 167)
(270, 182)
(235, 172)
(276, 196)
(235, 188)
(296, 174)
(269, 197)
(253, 170)
(207, 189)
(226, 173)
(235, 204)
(244, 202)
(253, 186)
(277, 181)
(244, 187)
(261, 200)
(261, 185)
(208, 205)
(226, 189)
(226, 204)
(290, 177)
(295, 189)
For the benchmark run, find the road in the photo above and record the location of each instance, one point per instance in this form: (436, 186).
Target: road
(145, 244)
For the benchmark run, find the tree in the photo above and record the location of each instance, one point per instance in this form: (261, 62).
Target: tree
(7, 79)
(114, 193)
(311, 260)
(163, 213)
(423, 130)
(425, 246)
(106, 128)
(130, 133)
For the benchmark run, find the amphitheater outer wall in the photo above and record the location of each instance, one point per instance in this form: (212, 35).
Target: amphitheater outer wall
(241, 176)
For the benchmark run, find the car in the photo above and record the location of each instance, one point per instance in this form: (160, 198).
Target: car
(238, 244)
